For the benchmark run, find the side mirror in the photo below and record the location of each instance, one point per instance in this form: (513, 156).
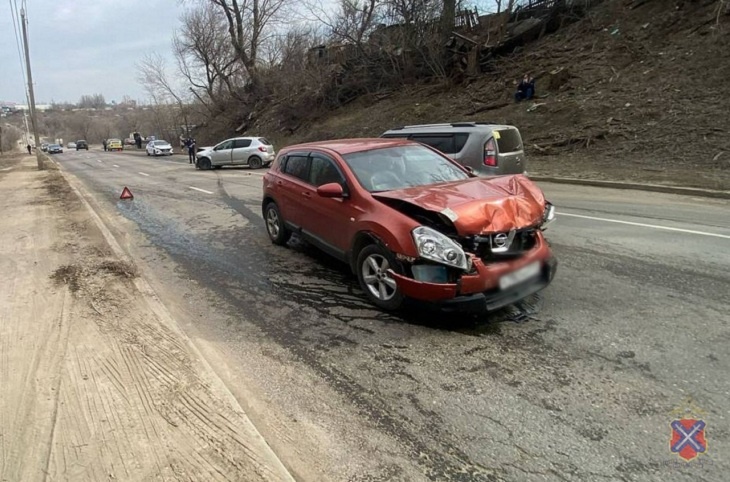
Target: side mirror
(332, 189)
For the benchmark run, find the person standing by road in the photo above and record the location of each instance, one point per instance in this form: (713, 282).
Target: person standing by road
(191, 151)
(29, 149)
(103, 143)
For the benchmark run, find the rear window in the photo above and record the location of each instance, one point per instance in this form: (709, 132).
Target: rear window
(446, 143)
(263, 141)
(509, 140)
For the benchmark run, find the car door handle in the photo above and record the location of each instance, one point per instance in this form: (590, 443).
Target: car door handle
(306, 194)
(279, 183)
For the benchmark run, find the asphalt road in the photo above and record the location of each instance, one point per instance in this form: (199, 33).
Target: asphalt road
(580, 383)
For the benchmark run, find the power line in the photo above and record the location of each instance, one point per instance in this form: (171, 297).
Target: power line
(16, 21)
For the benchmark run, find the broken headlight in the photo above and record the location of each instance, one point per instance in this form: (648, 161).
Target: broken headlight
(437, 247)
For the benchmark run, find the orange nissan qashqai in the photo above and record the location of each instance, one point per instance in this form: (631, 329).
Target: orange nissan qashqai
(412, 223)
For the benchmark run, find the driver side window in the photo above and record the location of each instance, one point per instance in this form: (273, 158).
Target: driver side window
(224, 145)
(323, 171)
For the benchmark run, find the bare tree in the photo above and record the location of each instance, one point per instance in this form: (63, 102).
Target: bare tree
(351, 22)
(152, 74)
(248, 24)
(79, 125)
(94, 101)
(205, 56)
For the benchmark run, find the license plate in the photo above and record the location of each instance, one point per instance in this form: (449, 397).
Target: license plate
(522, 274)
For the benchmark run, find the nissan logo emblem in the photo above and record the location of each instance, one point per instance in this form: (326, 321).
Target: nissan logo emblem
(500, 240)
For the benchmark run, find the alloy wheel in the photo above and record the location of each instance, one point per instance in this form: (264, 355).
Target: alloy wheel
(272, 223)
(378, 281)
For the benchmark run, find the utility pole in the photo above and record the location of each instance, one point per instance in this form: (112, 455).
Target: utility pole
(30, 91)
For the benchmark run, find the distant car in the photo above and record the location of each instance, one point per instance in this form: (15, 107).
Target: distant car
(254, 152)
(44, 147)
(159, 148)
(71, 145)
(114, 145)
(82, 144)
(55, 149)
(128, 141)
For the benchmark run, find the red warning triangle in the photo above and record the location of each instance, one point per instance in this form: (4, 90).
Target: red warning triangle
(126, 194)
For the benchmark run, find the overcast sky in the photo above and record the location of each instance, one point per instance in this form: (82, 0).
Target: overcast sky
(82, 47)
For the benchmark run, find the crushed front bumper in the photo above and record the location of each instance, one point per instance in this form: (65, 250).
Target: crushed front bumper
(480, 292)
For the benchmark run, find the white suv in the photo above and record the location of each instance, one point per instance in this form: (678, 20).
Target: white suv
(159, 148)
(254, 152)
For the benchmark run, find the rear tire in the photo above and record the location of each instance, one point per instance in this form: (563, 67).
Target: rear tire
(254, 162)
(278, 233)
(381, 289)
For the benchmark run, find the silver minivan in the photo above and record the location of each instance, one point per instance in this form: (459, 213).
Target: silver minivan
(254, 152)
(488, 149)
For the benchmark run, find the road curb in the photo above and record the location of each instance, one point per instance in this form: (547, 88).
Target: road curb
(686, 191)
(275, 464)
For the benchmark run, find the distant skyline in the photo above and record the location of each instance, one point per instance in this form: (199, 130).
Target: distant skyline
(80, 47)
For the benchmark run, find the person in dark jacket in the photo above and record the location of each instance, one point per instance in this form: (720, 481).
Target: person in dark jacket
(103, 143)
(192, 151)
(525, 89)
(29, 149)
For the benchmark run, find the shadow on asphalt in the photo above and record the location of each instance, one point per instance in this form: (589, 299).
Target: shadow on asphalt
(414, 312)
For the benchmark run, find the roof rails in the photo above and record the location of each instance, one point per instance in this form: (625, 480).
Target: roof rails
(452, 124)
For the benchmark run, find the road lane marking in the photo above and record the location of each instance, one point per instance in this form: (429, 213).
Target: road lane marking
(143, 173)
(115, 165)
(201, 190)
(6, 169)
(98, 160)
(653, 226)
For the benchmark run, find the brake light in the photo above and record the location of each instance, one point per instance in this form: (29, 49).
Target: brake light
(490, 153)
(262, 149)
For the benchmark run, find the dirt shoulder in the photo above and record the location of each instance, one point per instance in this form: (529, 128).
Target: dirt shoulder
(97, 380)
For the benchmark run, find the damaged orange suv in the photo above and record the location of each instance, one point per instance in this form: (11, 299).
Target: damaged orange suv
(412, 223)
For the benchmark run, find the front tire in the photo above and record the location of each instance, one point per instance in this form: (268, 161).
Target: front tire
(278, 232)
(204, 164)
(254, 162)
(373, 263)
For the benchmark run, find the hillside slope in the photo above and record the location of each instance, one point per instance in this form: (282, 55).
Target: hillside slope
(643, 96)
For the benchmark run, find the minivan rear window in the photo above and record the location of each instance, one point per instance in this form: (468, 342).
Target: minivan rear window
(509, 140)
(446, 143)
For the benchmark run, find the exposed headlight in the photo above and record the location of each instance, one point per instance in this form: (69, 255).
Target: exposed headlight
(548, 216)
(436, 246)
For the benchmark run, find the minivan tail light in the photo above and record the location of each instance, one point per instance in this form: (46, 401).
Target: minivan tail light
(263, 149)
(490, 153)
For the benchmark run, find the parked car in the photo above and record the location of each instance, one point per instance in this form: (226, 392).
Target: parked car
(71, 145)
(488, 149)
(129, 141)
(114, 145)
(44, 147)
(413, 223)
(55, 149)
(254, 152)
(159, 148)
(82, 144)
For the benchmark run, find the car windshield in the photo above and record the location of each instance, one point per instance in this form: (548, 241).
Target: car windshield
(401, 167)
(160, 143)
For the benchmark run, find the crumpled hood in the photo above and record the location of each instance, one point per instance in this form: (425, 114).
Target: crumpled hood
(479, 205)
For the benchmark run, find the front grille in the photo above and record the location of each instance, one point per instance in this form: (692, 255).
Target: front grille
(487, 248)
